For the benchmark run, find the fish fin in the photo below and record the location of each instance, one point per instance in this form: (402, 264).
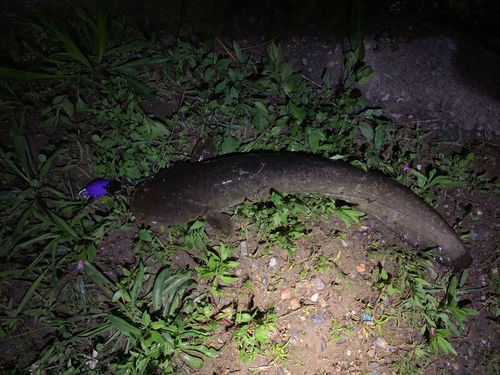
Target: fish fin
(219, 222)
(205, 149)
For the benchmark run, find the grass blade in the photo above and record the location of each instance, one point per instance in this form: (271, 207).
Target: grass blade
(102, 30)
(124, 327)
(23, 75)
(101, 281)
(30, 292)
(72, 48)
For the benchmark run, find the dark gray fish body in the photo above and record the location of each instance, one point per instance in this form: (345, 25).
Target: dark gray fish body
(188, 191)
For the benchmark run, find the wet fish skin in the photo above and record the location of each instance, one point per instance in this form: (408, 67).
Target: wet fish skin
(188, 191)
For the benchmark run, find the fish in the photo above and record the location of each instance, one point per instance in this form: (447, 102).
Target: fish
(188, 191)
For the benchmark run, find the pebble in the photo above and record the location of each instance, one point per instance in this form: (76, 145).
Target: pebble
(273, 263)
(320, 285)
(374, 364)
(390, 349)
(243, 248)
(295, 334)
(265, 281)
(318, 318)
(322, 344)
(315, 297)
(285, 294)
(375, 372)
(479, 234)
(370, 353)
(294, 304)
(380, 342)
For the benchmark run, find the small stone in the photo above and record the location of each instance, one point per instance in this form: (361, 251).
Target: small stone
(390, 349)
(273, 263)
(348, 353)
(320, 285)
(294, 304)
(265, 281)
(380, 342)
(374, 364)
(315, 297)
(295, 334)
(220, 341)
(318, 319)
(375, 372)
(285, 294)
(361, 268)
(370, 353)
(243, 248)
(322, 344)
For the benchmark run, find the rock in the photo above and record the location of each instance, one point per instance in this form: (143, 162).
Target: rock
(285, 294)
(370, 353)
(322, 344)
(318, 318)
(315, 297)
(320, 285)
(380, 342)
(294, 304)
(243, 248)
(273, 263)
(390, 349)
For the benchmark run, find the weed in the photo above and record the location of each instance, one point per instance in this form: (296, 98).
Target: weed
(414, 360)
(417, 299)
(251, 334)
(490, 362)
(282, 218)
(340, 331)
(217, 266)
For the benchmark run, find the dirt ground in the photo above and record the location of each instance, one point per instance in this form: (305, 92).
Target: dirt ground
(441, 81)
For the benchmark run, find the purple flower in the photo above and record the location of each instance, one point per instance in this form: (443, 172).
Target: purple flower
(432, 331)
(80, 265)
(406, 168)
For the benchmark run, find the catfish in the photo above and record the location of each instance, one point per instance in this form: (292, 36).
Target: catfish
(207, 189)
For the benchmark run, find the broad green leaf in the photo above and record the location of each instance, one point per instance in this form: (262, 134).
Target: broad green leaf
(192, 361)
(146, 319)
(261, 334)
(158, 289)
(366, 130)
(145, 235)
(237, 51)
(143, 90)
(298, 113)
(379, 137)
(46, 166)
(91, 252)
(138, 282)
